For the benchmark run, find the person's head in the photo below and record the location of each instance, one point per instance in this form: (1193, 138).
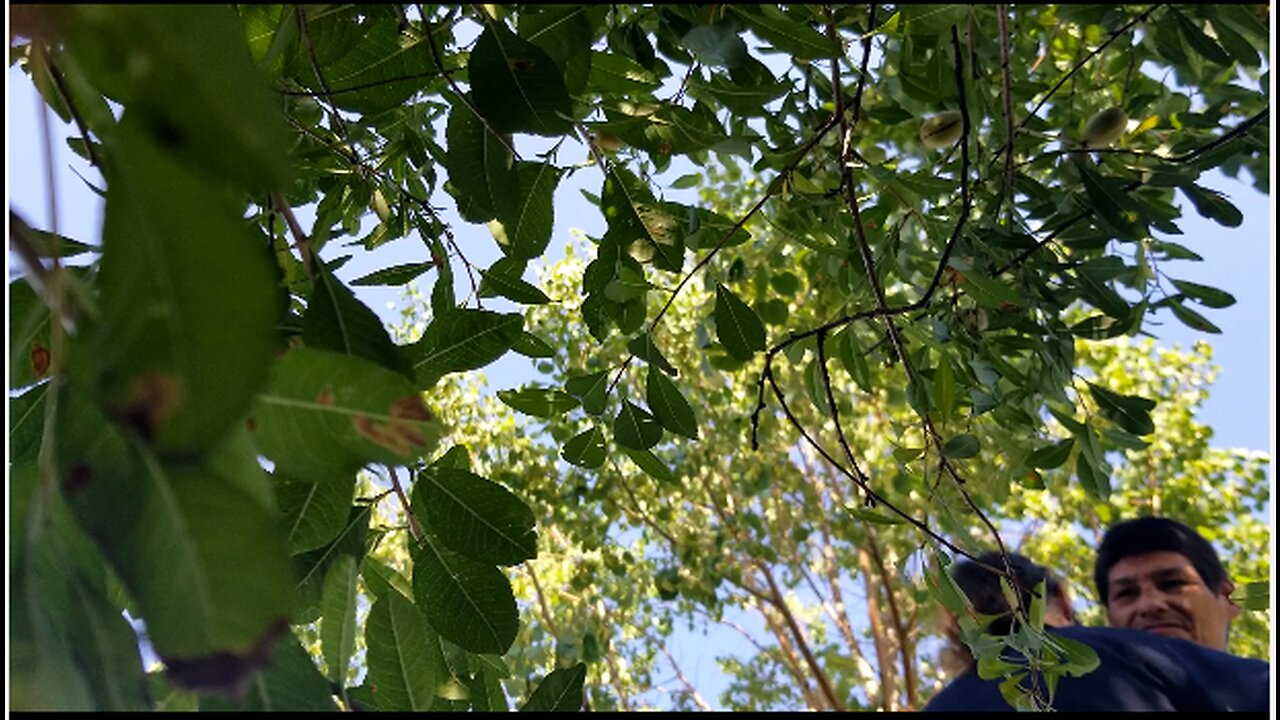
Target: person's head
(1159, 575)
(982, 587)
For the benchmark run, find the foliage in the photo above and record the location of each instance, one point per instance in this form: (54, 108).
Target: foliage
(196, 414)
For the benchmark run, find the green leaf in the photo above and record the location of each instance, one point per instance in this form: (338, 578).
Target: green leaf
(616, 73)
(336, 320)
(338, 616)
(405, 662)
(669, 405)
(469, 603)
(643, 347)
(1254, 596)
(475, 516)
(463, 339)
(737, 326)
(1077, 657)
(1131, 412)
(1213, 205)
(1109, 200)
(30, 356)
(590, 389)
(650, 464)
(480, 164)
(539, 402)
(532, 346)
(853, 358)
(774, 27)
(314, 513)
(716, 45)
(325, 413)
(517, 86)
(196, 544)
(382, 71)
(586, 449)
(1193, 319)
(228, 122)
(184, 369)
(1092, 478)
(503, 279)
(1051, 456)
(559, 691)
(872, 516)
(635, 428)
(289, 683)
(960, 447)
(528, 218)
(380, 579)
(1205, 295)
(1197, 40)
(395, 274)
(26, 424)
(944, 387)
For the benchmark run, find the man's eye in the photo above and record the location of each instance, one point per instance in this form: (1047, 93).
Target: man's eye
(1123, 594)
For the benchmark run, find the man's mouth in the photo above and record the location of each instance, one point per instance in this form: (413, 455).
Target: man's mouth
(1167, 628)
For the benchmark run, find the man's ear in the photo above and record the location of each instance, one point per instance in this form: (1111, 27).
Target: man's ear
(1062, 596)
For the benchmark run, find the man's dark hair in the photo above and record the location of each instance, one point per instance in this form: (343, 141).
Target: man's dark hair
(1155, 534)
(983, 586)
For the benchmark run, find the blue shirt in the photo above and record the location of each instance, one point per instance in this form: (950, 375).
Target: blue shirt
(1137, 670)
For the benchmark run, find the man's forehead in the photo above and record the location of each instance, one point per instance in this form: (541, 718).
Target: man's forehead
(1154, 564)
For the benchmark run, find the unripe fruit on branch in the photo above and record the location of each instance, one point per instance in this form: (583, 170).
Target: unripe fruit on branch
(1105, 127)
(942, 129)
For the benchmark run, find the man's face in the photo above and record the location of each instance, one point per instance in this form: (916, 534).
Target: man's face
(1161, 592)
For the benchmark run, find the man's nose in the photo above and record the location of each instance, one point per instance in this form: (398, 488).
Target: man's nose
(1150, 601)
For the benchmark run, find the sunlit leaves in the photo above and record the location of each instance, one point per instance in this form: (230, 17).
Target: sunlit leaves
(1130, 412)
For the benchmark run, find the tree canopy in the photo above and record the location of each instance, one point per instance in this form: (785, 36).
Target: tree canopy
(869, 297)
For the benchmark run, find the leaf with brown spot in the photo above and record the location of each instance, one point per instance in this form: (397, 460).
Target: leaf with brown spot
(325, 412)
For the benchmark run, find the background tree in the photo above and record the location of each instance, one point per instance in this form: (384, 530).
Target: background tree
(902, 289)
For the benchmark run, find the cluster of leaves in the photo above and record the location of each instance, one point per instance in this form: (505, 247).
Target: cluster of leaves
(208, 333)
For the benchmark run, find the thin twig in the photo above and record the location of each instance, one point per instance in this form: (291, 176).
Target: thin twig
(1006, 91)
(300, 241)
(65, 96)
(335, 117)
(414, 528)
(689, 689)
